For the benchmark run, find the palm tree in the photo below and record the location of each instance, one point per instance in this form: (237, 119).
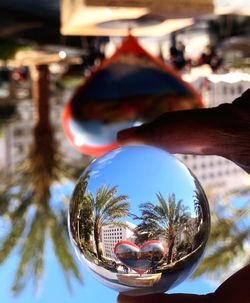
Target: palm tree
(81, 214)
(34, 220)
(28, 227)
(77, 204)
(163, 220)
(108, 208)
(226, 246)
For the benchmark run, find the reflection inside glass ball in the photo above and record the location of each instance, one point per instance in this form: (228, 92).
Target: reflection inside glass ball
(139, 220)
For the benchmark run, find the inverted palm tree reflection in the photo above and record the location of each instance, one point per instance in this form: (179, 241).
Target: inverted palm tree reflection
(27, 207)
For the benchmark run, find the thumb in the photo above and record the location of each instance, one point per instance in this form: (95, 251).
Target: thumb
(143, 134)
(177, 132)
(221, 131)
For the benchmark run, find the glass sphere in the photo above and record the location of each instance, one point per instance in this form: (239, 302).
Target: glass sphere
(92, 136)
(139, 220)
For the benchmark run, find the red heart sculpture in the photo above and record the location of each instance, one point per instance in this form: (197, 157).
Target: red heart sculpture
(141, 258)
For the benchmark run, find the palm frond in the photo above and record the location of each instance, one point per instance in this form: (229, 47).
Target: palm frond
(224, 255)
(38, 260)
(103, 196)
(11, 239)
(61, 248)
(27, 256)
(18, 225)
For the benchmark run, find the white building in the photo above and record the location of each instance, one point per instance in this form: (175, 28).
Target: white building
(112, 234)
(216, 89)
(217, 175)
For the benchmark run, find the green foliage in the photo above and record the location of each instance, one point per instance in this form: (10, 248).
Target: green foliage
(30, 227)
(59, 238)
(226, 246)
(31, 260)
(164, 219)
(86, 219)
(35, 221)
(107, 208)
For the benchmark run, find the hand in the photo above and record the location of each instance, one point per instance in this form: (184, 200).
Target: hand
(222, 131)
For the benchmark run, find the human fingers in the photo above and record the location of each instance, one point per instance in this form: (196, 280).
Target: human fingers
(190, 131)
(222, 131)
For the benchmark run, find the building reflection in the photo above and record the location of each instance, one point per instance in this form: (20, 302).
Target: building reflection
(137, 250)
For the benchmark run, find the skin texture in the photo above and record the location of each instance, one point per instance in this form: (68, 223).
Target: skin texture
(222, 131)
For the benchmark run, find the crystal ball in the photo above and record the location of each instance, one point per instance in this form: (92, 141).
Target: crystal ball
(139, 220)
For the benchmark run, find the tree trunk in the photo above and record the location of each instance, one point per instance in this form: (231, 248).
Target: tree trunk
(43, 129)
(97, 240)
(170, 252)
(171, 241)
(43, 152)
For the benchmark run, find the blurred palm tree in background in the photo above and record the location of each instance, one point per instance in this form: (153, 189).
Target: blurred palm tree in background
(31, 217)
(228, 245)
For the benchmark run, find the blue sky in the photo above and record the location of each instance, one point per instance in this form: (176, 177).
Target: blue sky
(142, 171)
(54, 287)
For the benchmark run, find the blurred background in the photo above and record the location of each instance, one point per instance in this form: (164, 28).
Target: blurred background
(50, 51)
